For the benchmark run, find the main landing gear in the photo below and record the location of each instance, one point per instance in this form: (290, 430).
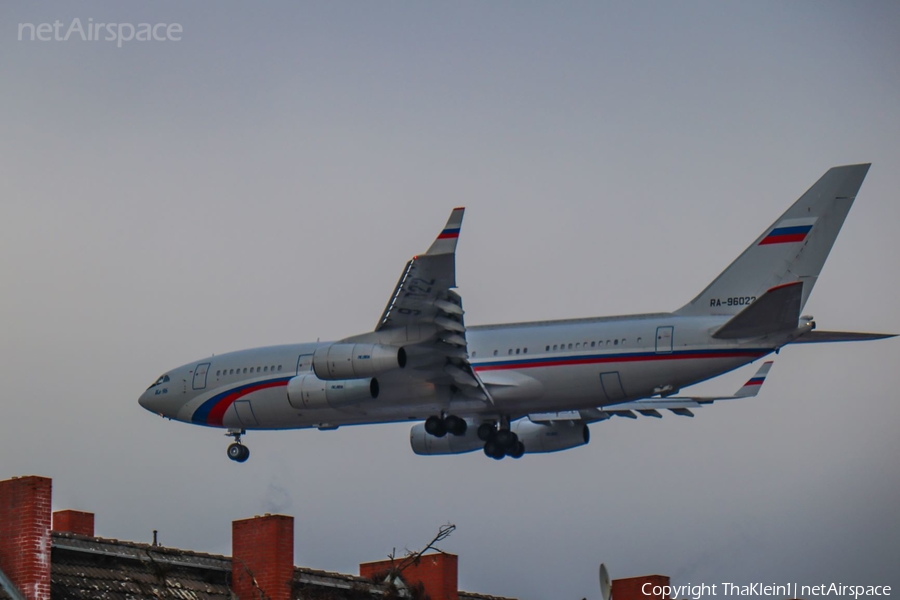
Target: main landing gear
(237, 451)
(441, 426)
(500, 442)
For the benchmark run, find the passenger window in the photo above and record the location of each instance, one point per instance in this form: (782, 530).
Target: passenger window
(548, 348)
(251, 369)
(245, 369)
(592, 344)
(265, 369)
(524, 350)
(616, 343)
(495, 353)
(474, 353)
(554, 346)
(279, 367)
(217, 373)
(510, 352)
(517, 350)
(639, 340)
(570, 345)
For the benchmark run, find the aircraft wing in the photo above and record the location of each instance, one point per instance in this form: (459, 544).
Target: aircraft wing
(424, 293)
(425, 316)
(650, 407)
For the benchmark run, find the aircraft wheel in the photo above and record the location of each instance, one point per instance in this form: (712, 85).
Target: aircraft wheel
(518, 451)
(435, 426)
(238, 452)
(485, 431)
(507, 439)
(455, 425)
(494, 450)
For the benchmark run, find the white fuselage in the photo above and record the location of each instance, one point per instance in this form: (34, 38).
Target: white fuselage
(529, 367)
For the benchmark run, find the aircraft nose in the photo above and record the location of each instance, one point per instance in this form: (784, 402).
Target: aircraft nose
(149, 401)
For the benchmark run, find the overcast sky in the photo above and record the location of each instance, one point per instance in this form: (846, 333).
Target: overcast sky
(264, 179)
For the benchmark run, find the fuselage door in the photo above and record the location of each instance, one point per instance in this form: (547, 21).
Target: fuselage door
(304, 363)
(664, 337)
(200, 372)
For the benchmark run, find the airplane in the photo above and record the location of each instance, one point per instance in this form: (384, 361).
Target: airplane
(530, 387)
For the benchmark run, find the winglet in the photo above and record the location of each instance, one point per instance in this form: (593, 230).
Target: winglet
(751, 388)
(447, 238)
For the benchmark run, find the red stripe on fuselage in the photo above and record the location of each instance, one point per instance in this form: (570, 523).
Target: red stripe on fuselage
(217, 414)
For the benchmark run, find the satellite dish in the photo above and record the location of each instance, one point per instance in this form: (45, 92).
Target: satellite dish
(605, 583)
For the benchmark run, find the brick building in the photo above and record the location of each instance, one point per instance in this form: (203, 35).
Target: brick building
(47, 555)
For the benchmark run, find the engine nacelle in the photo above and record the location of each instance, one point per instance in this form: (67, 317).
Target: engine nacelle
(307, 391)
(424, 443)
(355, 361)
(551, 437)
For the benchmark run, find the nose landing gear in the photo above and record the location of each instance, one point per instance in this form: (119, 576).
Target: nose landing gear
(237, 451)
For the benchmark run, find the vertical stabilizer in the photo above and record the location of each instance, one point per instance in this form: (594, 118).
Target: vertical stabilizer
(792, 249)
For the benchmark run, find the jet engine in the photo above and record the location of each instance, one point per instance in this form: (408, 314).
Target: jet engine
(424, 443)
(551, 437)
(355, 361)
(307, 391)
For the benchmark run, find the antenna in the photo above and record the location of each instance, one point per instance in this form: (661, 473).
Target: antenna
(605, 583)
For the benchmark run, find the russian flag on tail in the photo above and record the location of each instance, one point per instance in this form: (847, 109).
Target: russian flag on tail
(789, 230)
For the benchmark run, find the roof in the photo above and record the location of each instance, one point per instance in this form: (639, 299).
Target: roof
(84, 567)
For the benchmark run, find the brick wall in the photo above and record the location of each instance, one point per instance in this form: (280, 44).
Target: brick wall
(74, 521)
(438, 573)
(262, 550)
(25, 534)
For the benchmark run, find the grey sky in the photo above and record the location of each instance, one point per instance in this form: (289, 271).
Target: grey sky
(264, 180)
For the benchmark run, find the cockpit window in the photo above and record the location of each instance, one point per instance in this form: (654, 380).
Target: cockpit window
(162, 379)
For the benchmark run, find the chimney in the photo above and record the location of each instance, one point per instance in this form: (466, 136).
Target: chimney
(25, 534)
(74, 521)
(632, 588)
(262, 563)
(436, 572)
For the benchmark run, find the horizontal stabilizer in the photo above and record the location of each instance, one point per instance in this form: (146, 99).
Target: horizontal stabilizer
(821, 337)
(776, 311)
